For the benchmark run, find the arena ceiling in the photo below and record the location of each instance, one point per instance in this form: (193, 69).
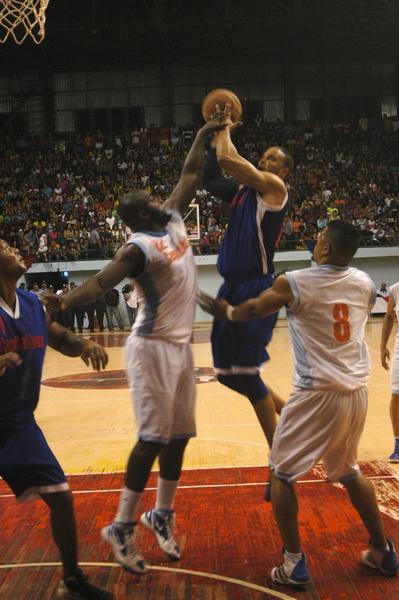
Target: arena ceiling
(106, 33)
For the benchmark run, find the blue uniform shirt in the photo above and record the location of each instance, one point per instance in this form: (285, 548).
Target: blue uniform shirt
(253, 231)
(26, 334)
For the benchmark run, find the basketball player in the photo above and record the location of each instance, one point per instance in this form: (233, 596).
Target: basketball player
(393, 307)
(328, 307)
(258, 203)
(26, 462)
(159, 362)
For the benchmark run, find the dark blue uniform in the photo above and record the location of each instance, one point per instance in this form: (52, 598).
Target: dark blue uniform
(26, 461)
(245, 262)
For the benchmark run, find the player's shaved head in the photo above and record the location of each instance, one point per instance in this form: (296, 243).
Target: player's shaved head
(344, 239)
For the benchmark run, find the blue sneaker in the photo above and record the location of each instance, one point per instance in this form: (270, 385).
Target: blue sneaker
(385, 561)
(161, 523)
(289, 573)
(121, 538)
(394, 458)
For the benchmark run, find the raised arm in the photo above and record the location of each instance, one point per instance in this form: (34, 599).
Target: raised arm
(270, 186)
(387, 326)
(189, 180)
(215, 182)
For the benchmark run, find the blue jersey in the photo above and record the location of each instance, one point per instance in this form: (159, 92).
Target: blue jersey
(25, 332)
(253, 232)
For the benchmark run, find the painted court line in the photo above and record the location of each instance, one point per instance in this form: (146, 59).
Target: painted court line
(209, 486)
(240, 582)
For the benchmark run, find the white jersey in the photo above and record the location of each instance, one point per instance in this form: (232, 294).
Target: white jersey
(167, 288)
(394, 295)
(327, 322)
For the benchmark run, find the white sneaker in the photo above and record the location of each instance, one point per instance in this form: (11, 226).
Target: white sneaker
(161, 523)
(384, 560)
(120, 536)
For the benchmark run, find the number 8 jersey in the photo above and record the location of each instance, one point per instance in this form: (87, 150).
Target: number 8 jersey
(327, 321)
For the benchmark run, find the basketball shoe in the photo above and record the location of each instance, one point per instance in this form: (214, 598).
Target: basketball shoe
(291, 573)
(161, 523)
(394, 457)
(78, 586)
(120, 536)
(385, 561)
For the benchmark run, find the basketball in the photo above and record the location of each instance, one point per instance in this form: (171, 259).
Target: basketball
(221, 97)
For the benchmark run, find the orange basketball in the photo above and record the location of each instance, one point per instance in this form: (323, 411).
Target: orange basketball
(221, 97)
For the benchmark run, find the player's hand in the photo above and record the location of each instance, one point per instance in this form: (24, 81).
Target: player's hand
(54, 302)
(9, 360)
(214, 307)
(385, 358)
(95, 354)
(216, 123)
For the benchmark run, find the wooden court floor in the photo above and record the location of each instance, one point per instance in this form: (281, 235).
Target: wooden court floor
(90, 424)
(227, 531)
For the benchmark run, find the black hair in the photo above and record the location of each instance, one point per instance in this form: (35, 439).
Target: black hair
(131, 204)
(288, 160)
(344, 239)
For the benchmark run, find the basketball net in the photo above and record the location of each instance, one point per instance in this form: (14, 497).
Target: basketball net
(22, 18)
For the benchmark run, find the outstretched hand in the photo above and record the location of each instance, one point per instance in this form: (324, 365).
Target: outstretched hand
(9, 360)
(95, 354)
(214, 307)
(54, 302)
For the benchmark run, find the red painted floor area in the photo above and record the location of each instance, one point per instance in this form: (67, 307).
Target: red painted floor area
(225, 528)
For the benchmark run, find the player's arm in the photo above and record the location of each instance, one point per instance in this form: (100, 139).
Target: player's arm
(189, 179)
(268, 302)
(129, 261)
(270, 186)
(215, 182)
(69, 344)
(387, 326)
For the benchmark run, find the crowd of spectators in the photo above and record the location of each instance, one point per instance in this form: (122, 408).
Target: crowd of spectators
(59, 195)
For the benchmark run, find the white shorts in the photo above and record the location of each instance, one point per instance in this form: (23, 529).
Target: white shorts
(395, 369)
(319, 425)
(162, 382)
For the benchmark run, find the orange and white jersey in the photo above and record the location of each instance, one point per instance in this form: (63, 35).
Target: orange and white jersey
(394, 295)
(167, 288)
(327, 321)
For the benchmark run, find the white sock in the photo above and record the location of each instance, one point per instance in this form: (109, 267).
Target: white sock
(293, 557)
(128, 502)
(166, 492)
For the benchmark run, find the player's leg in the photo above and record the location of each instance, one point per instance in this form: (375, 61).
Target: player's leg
(394, 414)
(161, 519)
(340, 462)
(394, 405)
(381, 553)
(36, 472)
(63, 526)
(149, 374)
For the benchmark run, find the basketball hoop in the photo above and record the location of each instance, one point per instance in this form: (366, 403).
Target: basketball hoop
(22, 18)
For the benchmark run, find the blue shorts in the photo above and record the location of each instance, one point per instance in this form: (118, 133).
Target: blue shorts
(28, 465)
(240, 348)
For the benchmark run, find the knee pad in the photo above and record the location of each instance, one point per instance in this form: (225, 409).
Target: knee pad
(232, 382)
(253, 387)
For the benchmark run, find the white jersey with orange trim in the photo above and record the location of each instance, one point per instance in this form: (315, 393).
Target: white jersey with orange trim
(327, 321)
(167, 288)
(394, 295)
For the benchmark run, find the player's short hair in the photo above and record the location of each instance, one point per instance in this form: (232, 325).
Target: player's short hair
(344, 239)
(288, 160)
(131, 204)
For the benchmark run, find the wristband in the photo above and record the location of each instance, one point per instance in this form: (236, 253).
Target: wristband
(229, 312)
